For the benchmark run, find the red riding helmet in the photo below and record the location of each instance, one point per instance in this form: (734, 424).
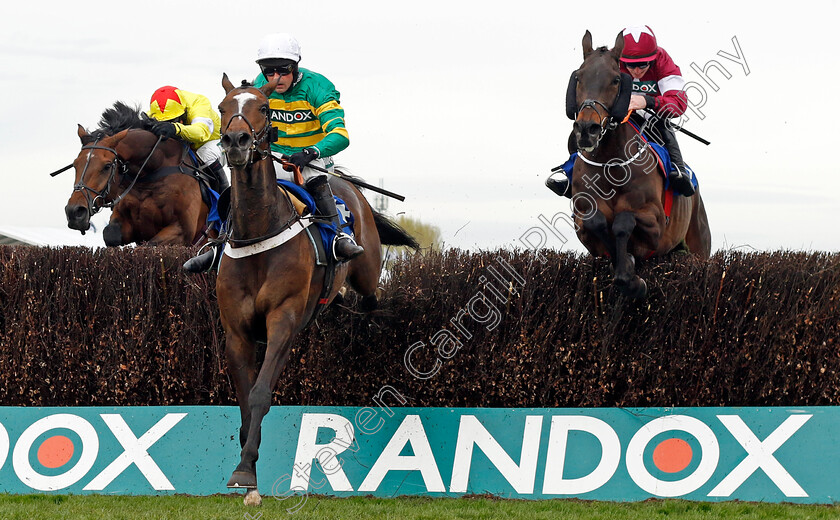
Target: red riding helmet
(639, 44)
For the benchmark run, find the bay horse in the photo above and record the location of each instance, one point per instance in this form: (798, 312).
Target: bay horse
(617, 195)
(272, 294)
(124, 166)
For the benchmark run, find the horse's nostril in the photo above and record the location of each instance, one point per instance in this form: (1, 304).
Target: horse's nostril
(243, 140)
(594, 129)
(75, 212)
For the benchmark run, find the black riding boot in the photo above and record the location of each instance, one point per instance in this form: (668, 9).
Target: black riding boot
(560, 184)
(206, 261)
(344, 247)
(219, 181)
(678, 177)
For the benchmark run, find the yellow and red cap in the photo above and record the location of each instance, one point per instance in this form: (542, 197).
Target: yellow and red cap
(166, 104)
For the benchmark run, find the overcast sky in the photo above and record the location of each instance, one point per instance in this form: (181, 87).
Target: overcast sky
(458, 105)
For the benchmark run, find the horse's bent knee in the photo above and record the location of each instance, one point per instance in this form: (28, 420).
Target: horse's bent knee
(112, 234)
(596, 224)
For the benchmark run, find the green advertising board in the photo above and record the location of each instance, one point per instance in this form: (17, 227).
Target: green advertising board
(629, 454)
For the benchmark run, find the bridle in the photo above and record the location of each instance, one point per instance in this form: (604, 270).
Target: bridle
(259, 150)
(607, 123)
(611, 123)
(257, 138)
(98, 199)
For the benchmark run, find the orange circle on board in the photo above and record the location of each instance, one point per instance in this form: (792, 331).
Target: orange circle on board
(55, 451)
(672, 455)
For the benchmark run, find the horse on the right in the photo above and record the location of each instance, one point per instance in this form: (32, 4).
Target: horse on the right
(622, 209)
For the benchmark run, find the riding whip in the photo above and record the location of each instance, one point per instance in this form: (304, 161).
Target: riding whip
(53, 174)
(681, 129)
(354, 181)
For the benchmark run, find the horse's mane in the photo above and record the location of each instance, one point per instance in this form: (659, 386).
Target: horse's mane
(118, 118)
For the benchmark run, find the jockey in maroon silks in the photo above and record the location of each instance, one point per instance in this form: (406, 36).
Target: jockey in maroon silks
(658, 86)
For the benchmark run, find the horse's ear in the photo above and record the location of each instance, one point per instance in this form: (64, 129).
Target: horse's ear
(587, 44)
(226, 84)
(84, 135)
(269, 87)
(619, 45)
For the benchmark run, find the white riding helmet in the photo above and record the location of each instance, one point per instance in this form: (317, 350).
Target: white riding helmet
(279, 46)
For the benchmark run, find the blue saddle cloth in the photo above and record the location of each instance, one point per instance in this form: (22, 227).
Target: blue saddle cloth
(213, 219)
(327, 231)
(661, 151)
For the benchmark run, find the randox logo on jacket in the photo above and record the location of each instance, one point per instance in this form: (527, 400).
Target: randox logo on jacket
(292, 116)
(645, 87)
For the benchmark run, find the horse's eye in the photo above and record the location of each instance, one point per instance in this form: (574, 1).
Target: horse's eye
(616, 80)
(264, 109)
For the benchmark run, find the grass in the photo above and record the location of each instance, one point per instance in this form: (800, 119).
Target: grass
(35, 507)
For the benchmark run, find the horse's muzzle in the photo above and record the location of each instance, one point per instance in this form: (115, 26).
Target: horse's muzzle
(237, 147)
(78, 217)
(587, 134)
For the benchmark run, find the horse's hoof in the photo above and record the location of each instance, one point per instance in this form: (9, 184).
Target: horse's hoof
(242, 479)
(369, 303)
(252, 498)
(638, 290)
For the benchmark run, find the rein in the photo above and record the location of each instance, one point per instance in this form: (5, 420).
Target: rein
(612, 126)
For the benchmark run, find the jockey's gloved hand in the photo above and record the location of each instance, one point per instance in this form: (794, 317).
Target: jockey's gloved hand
(164, 129)
(303, 157)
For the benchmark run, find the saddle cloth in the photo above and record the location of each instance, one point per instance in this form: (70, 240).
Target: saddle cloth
(326, 230)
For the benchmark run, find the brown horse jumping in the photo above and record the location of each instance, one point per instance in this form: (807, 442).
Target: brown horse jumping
(268, 292)
(616, 191)
(129, 169)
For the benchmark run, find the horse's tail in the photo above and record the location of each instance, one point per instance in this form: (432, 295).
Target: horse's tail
(391, 234)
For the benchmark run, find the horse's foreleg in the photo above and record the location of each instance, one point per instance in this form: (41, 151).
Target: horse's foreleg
(625, 273)
(280, 328)
(241, 361)
(598, 227)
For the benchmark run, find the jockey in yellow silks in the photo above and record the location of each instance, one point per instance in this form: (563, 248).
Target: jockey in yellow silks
(190, 117)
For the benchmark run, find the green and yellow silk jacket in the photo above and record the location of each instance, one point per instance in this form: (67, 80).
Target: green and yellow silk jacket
(308, 115)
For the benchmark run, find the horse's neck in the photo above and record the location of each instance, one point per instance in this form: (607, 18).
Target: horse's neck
(148, 156)
(256, 203)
